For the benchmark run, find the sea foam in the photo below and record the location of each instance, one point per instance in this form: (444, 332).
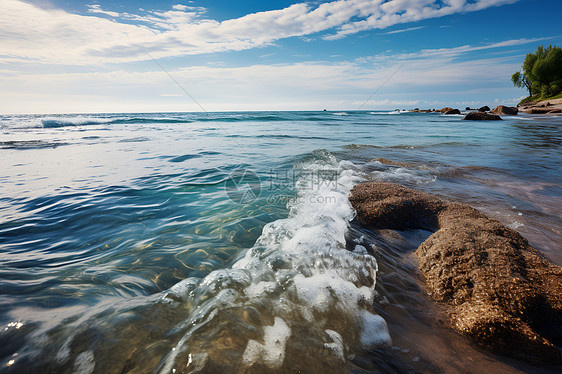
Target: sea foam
(297, 292)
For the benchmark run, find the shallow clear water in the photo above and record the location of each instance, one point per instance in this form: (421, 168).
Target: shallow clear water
(217, 241)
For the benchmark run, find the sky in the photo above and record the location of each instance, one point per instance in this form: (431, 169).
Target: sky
(70, 56)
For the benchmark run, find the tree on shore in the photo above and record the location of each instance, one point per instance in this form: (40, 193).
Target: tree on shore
(521, 81)
(542, 72)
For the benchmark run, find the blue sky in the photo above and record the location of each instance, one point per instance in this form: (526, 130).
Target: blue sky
(62, 56)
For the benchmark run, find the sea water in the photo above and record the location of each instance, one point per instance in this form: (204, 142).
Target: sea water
(224, 242)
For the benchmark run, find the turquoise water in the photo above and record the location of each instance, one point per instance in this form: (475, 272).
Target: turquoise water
(217, 241)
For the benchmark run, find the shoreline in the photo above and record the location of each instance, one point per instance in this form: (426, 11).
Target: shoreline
(551, 108)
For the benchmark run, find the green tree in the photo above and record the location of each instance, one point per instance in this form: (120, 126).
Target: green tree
(542, 72)
(521, 81)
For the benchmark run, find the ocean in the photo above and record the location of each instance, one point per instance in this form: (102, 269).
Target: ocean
(225, 243)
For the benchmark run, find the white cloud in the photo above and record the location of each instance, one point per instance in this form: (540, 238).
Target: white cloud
(382, 14)
(59, 37)
(96, 8)
(406, 30)
(306, 85)
(449, 53)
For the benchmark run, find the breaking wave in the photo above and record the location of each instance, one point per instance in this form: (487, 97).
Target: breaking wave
(298, 292)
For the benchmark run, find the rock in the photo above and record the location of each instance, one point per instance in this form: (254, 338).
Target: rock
(481, 116)
(447, 108)
(453, 111)
(500, 292)
(485, 108)
(425, 111)
(537, 110)
(507, 110)
(407, 165)
(542, 107)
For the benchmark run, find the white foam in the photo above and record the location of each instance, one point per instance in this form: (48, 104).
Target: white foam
(375, 331)
(403, 175)
(298, 272)
(272, 351)
(392, 112)
(337, 344)
(195, 362)
(359, 249)
(64, 121)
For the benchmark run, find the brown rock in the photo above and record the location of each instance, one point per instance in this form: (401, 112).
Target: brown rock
(447, 108)
(392, 163)
(500, 292)
(507, 110)
(407, 165)
(481, 116)
(535, 110)
(453, 111)
(554, 111)
(485, 108)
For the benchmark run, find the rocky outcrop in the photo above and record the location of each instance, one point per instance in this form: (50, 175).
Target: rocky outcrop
(408, 165)
(553, 106)
(485, 108)
(546, 110)
(453, 111)
(537, 110)
(500, 292)
(506, 110)
(446, 109)
(481, 116)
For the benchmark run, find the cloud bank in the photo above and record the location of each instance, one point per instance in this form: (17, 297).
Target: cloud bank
(291, 86)
(32, 34)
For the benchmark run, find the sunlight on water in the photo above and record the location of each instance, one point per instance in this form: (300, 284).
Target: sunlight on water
(124, 248)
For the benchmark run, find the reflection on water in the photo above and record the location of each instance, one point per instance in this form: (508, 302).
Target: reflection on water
(534, 134)
(122, 252)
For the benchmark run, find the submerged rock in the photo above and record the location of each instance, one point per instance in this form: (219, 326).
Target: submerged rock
(481, 116)
(500, 292)
(507, 110)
